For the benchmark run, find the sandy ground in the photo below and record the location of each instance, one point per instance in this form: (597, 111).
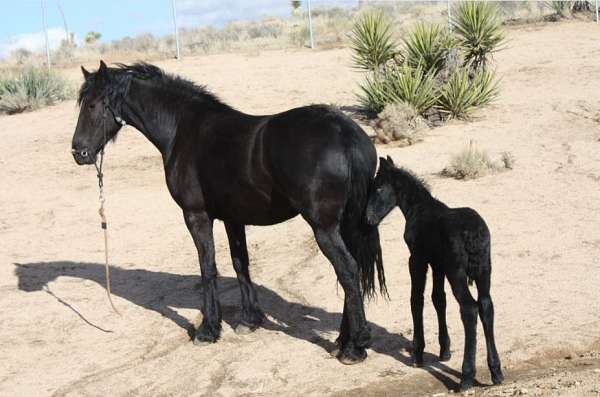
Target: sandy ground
(58, 335)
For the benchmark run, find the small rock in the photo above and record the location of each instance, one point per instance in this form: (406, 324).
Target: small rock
(597, 370)
(438, 395)
(523, 391)
(87, 283)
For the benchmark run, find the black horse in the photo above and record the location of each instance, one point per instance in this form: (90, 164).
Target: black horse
(247, 170)
(456, 243)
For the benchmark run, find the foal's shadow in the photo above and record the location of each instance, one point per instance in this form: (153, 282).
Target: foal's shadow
(160, 291)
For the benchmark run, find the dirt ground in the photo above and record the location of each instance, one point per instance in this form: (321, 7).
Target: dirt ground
(59, 337)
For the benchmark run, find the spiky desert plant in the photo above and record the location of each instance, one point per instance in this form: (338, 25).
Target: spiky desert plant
(398, 84)
(462, 94)
(427, 47)
(479, 30)
(560, 8)
(412, 86)
(371, 41)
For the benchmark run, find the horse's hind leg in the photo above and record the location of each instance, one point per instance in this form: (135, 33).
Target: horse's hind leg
(201, 228)
(355, 335)
(251, 315)
(486, 312)
(438, 296)
(468, 313)
(418, 275)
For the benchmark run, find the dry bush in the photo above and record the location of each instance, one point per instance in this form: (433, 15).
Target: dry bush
(401, 123)
(470, 163)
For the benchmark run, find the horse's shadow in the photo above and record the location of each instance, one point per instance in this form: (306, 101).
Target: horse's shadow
(183, 291)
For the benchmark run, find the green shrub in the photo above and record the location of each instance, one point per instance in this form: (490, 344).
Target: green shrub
(470, 163)
(371, 41)
(479, 31)
(462, 94)
(30, 89)
(427, 47)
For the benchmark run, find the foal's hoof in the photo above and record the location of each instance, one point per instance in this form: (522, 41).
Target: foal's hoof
(445, 355)
(243, 329)
(466, 384)
(206, 335)
(351, 356)
(417, 361)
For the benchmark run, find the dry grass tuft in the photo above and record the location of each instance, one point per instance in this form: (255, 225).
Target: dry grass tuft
(399, 122)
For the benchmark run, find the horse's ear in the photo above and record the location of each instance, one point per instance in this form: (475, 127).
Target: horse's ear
(103, 70)
(382, 162)
(86, 74)
(390, 160)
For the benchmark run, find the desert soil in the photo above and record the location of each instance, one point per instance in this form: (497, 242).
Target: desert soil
(59, 337)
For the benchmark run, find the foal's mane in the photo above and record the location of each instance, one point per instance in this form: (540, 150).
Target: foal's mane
(409, 178)
(122, 74)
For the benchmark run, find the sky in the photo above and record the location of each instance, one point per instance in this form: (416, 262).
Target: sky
(21, 24)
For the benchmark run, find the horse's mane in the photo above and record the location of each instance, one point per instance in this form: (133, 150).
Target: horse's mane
(122, 74)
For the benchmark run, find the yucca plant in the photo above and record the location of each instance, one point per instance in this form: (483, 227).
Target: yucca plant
(31, 89)
(427, 47)
(373, 94)
(479, 31)
(411, 86)
(371, 41)
(560, 8)
(462, 94)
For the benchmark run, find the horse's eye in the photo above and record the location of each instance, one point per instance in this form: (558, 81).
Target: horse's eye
(91, 106)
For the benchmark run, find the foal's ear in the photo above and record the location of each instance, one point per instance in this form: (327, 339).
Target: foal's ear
(390, 160)
(86, 74)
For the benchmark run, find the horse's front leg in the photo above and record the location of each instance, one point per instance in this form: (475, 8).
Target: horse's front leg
(418, 274)
(251, 317)
(200, 226)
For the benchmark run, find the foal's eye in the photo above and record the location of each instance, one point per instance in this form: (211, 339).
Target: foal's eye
(91, 106)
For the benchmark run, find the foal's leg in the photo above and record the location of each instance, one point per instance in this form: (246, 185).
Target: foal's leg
(418, 274)
(468, 314)
(251, 316)
(201, 227)
(438, 296)
(486, 312)
(354, 333)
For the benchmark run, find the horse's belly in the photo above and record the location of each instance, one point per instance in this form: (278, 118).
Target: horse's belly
(252, 209)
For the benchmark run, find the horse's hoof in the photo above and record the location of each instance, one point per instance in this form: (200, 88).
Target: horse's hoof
(497, 376)
(243, 329)
(417, 361)
(351, 357)
(445, 356)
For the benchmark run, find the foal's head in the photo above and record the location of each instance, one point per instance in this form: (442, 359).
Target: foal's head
(100, 101)
(382, 198)
(393, 186)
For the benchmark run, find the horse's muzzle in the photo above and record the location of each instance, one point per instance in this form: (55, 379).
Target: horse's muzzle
(82, 156)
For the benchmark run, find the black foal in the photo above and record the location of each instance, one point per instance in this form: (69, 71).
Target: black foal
(456, 243)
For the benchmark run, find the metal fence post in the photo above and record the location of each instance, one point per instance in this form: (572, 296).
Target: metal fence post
(450, 15)
(45, 33)
(596, 11)
(177, 55)
(310, 30)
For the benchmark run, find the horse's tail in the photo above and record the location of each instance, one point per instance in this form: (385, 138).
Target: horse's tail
(361, 239)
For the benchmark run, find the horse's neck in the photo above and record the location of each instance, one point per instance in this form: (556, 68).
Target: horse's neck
(144, 110)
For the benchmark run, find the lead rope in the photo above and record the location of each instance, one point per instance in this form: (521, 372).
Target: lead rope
(103, 223)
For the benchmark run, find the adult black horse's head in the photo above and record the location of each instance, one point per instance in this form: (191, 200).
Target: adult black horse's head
(100, 102)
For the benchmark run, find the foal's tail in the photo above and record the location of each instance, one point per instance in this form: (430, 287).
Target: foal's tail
(361, 239)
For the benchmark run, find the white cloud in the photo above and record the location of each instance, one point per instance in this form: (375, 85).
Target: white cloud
(218, 12)
(32, 41)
